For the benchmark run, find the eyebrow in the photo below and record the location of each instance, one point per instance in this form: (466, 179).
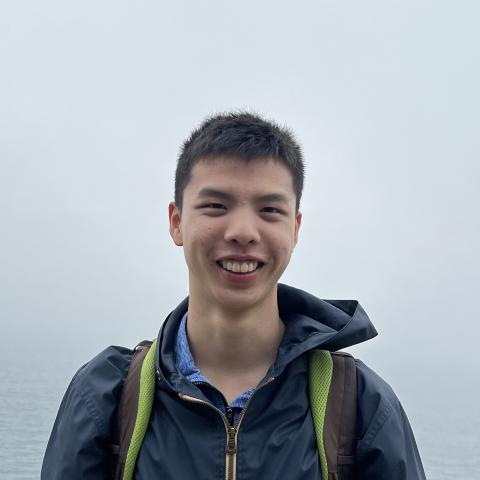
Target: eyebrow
(268, 197)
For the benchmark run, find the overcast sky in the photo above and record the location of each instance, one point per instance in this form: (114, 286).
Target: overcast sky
(96, 98)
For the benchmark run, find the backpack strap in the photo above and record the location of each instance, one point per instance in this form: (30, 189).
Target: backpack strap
(333, 400)
(332, 386)
(134, 409)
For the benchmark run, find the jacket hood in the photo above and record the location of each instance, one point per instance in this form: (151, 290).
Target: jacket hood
(311, 323)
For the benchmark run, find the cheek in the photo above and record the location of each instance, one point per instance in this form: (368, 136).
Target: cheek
(199, 239)
(283, 245)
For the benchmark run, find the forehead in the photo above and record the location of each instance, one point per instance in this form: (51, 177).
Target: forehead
(259, 175)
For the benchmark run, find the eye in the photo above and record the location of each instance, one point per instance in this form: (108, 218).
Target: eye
(271, 210)
(215, 206)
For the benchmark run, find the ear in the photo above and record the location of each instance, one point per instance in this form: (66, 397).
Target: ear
(174, 217)
(298, 222)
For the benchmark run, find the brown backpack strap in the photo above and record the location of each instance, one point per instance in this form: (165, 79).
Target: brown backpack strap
(340, 418)
(127, 410)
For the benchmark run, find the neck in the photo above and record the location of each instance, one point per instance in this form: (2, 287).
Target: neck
(241, 343)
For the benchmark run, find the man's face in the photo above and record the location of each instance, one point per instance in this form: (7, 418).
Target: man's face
(238, 228)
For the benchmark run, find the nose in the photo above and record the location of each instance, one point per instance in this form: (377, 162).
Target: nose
(242, 228)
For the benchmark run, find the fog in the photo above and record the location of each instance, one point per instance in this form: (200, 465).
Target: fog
(97, 97)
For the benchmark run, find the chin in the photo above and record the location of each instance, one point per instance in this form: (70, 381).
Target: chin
(240, 299)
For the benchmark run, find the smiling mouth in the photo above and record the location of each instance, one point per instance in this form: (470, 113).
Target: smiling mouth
(240, 267)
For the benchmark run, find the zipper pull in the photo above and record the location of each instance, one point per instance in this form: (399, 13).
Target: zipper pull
(229, 412)
(232, 440)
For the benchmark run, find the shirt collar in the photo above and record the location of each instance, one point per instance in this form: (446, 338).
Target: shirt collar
(183, 356)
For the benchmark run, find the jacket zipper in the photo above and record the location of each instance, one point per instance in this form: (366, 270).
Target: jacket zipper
(232, 431)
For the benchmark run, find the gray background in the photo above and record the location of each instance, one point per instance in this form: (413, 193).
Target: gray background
(96, 98)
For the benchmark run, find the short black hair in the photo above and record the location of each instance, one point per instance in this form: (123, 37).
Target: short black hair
(243, 135)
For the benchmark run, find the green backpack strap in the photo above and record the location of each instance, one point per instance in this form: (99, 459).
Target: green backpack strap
(332, 385)
(134, 409)
(333, 401)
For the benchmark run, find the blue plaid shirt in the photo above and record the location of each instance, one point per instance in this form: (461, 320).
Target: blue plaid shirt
(186, 366)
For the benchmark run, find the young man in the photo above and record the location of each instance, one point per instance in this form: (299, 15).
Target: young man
(231, 396)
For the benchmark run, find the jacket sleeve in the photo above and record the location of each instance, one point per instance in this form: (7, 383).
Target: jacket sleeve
(78, 447)
(387, 449)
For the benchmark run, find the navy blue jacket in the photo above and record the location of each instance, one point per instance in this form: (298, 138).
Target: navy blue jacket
(276, 439)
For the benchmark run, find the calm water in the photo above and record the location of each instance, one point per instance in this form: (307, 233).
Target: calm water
(447, 431)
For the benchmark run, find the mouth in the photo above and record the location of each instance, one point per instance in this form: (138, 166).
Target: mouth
(240, 268)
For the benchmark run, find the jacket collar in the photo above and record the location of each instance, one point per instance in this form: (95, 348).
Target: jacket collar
(311, 323)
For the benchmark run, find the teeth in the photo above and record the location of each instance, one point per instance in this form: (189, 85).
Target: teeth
(239, 267)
